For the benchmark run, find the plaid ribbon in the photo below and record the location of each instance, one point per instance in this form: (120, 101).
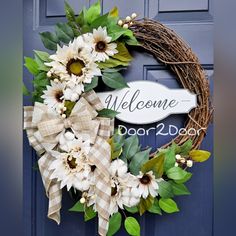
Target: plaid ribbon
(43, 127)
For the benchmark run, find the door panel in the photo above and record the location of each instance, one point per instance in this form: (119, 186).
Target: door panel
(193, 21)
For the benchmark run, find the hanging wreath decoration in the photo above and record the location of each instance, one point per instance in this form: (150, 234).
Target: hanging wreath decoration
(73, 133)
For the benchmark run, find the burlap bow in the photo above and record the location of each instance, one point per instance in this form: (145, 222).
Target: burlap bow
(43, 128)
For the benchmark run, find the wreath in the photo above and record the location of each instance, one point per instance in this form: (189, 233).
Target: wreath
(73, 134)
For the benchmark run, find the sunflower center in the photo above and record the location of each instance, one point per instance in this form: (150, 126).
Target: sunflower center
(58, 95)
(114, 190)
(101, 46)
(75, 66)
(71, 161)
(145, 179)
(93, 168)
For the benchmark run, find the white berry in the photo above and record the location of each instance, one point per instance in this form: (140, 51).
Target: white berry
(182, 160)
(82, 200)
(134, 15)
(189, 163)
(125, 26)
(69, 136)
(49, 74)
(56, 80)
(120, 22)
(176, 164)
(64, 108)
(63, 116)
(61, 106)
(128, 18)
(178, 157)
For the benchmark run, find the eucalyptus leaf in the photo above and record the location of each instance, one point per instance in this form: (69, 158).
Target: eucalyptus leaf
(168, 205)
(49, 40)
(145, 204)
(64, 32)
(199, 155)
(138, 160)
(156, 165)
(123, 53)
(169, 161)
(114, 224)
(114, 80)
(165, 189)
(176, 173)
(132, 226)
(108, 113)
(132, 210)
(92, 85)
(130, 146)
(179, 189)
(155, 208)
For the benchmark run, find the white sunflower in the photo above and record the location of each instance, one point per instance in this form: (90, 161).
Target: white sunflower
(72, 168)
(54, 95)
(74, 65)
(148, 184)
(101, 44)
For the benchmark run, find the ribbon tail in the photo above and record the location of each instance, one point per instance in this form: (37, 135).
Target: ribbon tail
(100, 155)
(52, 188)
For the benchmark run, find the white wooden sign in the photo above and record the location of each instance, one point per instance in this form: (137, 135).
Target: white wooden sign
(146, 102)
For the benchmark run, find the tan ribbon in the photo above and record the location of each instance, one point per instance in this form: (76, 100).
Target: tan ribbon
(43, 127)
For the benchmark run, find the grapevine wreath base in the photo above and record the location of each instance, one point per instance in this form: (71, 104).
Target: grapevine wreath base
(73, 134)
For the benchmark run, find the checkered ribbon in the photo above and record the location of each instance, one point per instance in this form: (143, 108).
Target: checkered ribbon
(43, 127)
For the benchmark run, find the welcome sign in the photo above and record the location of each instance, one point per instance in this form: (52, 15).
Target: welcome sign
(146, 102)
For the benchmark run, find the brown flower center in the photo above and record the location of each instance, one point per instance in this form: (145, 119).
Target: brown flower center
(71, 161)
(101, 46)
(75, 66)
(145, 179)
(58, 95)
(114, 190)
(93, 167)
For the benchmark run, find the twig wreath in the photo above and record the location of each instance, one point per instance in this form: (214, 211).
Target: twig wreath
(73, 134)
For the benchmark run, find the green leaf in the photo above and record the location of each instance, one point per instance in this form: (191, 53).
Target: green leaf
(186, 147)
(169, 161)
(78, 207)
(156, 164)
(89, 213)
(114, 80)
(40, 80)
(165, 189)
(130, 146)
(69, 105)
(70, 14)
(93, 12)
(100, 21)
(138, 160)
(155, 208)
(108, 113)
(114, 12)
(111, 63)
(64, 32)
(41, 65)
(44, 56)
(176, 173)
(26, 92)
(92, 85)
(199, 155)
(132, 210)
(116, 148)
(132, 226)
(132, 41)
(31, 65)
(185, 179)
(168, 205)
(145, 204)
(179, 189)
(118, 138)
(49, 40)
(123, 53)
(115, 31)
(114, 224)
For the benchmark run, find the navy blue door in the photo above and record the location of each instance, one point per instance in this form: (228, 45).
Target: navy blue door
(193, 21)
